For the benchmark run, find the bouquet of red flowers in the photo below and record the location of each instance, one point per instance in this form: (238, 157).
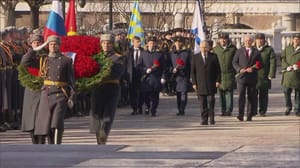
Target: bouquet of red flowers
(155, 65)
(179, 63)
(256, 66)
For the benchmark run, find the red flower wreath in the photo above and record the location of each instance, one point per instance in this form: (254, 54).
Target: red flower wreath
(84, 47)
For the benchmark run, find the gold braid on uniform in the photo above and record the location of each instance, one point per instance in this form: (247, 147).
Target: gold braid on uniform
(28, 80)
(8, 53)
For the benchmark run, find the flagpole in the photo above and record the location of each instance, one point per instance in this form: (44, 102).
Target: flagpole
(110, 15)
(63, 5)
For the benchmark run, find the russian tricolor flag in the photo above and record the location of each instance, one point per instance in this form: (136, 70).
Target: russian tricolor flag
(55, 24)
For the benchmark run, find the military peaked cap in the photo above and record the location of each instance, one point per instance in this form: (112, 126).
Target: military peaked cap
(152, 38)
(260, 36)
(224, 35)
(296, 35)
(178, 38)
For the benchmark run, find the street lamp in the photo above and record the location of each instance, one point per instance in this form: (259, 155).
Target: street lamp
(81, 3)
(63, 5)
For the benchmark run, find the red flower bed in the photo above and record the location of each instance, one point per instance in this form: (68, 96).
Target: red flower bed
(84, 47)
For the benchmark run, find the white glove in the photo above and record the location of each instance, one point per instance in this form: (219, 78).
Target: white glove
(148, 70)
(289, 68)
(174, 70)
(70, 104)
(295, 67)
(269, 78)
(162, 81)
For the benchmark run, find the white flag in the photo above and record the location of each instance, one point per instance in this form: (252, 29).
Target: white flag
(197, 27)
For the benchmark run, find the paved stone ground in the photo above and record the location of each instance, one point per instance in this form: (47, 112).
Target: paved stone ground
(167, 140)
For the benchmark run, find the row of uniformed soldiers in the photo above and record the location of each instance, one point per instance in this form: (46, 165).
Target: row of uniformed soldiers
(13, 46)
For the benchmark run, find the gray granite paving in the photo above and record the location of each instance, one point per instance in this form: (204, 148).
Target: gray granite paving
(167, 140)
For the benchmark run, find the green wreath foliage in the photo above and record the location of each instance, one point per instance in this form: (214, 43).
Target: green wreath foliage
(83, 84)
(29, 81)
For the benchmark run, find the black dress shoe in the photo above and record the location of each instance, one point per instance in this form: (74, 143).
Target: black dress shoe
(249, 118)
(134, 113)
(140, 111)
(298, 114)
(204, 123)
(287, 111)
(180, 113)
(240, 118)
(147, 110)
(212, 122)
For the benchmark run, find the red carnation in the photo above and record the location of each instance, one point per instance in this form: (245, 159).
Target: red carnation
(257, 65)
(156, 63)
(179, 62)
(33, 71)
(298, 64)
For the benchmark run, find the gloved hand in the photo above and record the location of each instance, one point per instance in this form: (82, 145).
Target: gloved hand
(289, 68)
(269, 78)
(148, 70)
(162, 81)
(174, 70)
(295, 67)
(70, 103)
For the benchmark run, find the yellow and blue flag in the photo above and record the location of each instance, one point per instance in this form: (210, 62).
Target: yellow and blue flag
(135, 24)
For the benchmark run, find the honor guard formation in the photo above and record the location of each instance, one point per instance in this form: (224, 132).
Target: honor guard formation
(139, 77)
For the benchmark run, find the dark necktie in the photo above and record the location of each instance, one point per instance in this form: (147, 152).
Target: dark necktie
(248, 53)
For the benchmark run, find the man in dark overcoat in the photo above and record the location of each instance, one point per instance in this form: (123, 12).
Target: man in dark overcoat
(266, 74)
(205, 72)
(247, 61)
(290, 64)
(225, 52)
(105, 96)
(57, 92)
(181, 68)
(134, 75)
(151, 66)
(31, 97)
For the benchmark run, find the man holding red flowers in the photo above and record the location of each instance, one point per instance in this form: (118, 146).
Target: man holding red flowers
(290, 62)
(151, 65)
(247, 61)
(180, 59)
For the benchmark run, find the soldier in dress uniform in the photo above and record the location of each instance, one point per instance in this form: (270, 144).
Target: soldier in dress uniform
(17, 51)
(290, 61)
(31, 98)
(105, 96)
(57, 92)
(151, 65)
(7, 74)
(265, 74)
(225, 52)
(166, 47)
(180, 69)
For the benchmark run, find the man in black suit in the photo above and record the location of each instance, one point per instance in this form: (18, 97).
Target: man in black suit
(134, 75)
(205, 72)
(247, 60)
